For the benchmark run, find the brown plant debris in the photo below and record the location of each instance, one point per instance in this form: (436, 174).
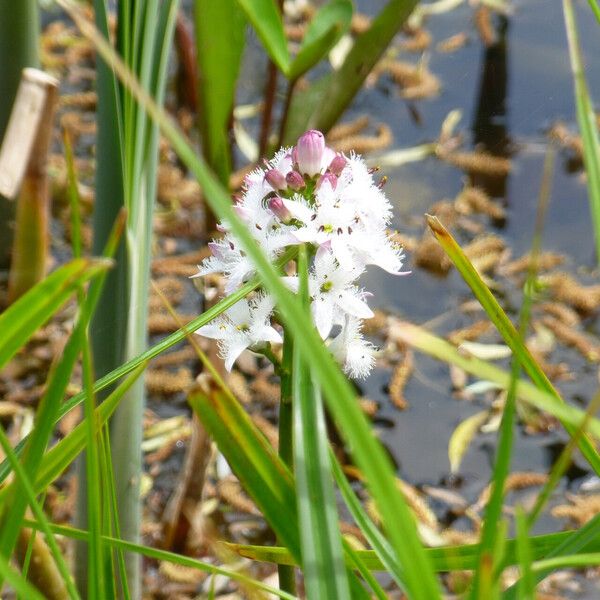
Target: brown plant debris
(453, 43)
(265, 391)
(239, 387)
(561, 312)
(515, 481)
(177, 357)
(166, 323)
(343, 130)
(480, 163)
(400, 377)
(430, 256)
(172, 288)
(544, 262)
(173, 265)
(80, 100)
(573, 338)
(369, 407)
(485, 252)
(181, 574)
(416, 40)
(415, 81)
(581, 509)
(167, 383)
(560, 133)
(484, 26)
(377, 324)
(474, 200)
(268, 429)
(172, 185)
(470, 332)
(360, 23)
(230, 491)
(363, 144)
(567, 289)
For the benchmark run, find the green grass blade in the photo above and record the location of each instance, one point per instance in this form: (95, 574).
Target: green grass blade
(339, 395)
(439, 348)
(356, 562)
(328, 25)
(18, 582)
(504, 326)
(163, 555)
(339, 90)
(25, 316)
(586, 117)
(38, 512)
(268, 23)
(458, 558)
(60, 456)
(491, 534)
(526, 584)
(95, 581)
(595, 9)
(263, 475)
(323, 561)
(376, 539)
(220, 37)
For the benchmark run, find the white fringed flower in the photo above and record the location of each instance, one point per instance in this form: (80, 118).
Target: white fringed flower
(245, 325)
(310, 195)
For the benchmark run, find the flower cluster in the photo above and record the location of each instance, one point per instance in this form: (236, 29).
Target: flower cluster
(307, 195)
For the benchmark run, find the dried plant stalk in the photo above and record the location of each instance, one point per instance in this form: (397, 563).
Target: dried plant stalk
(23, 162)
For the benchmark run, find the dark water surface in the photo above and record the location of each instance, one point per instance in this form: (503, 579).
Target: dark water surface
(509, 95)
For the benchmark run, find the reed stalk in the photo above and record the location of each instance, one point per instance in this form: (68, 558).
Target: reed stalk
(127, 148)
(19, 34)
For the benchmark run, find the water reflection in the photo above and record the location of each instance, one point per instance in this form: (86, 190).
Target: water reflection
(490, 123)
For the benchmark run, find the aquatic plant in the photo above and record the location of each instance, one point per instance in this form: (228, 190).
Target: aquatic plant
(310, 195)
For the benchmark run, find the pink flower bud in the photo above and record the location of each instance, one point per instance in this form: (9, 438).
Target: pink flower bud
(276, 179)
(327, 177)
(295, 180)
(309, 152)
(337, 165)
(278, 208)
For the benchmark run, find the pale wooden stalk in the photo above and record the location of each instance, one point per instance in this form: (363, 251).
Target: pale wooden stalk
(42, 572)
(23, 161)
(19, 39)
